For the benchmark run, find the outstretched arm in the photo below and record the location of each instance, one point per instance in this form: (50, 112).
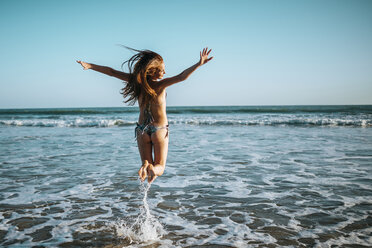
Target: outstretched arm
(186, 73)
(105, 70)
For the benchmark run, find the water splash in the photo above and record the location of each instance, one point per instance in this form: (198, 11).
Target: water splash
(145, 226)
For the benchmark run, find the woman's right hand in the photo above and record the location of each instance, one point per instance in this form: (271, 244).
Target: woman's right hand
(85, 65)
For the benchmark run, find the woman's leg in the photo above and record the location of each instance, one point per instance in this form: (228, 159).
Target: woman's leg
(145, 150)
(160, 141)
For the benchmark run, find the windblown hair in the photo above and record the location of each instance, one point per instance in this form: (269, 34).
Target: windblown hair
(142, 67)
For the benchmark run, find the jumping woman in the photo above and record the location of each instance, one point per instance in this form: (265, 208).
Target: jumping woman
(145, 84)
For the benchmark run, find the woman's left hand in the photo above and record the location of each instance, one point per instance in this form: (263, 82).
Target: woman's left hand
(204, 56)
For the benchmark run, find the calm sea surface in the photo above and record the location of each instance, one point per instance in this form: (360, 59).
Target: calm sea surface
(294, 176)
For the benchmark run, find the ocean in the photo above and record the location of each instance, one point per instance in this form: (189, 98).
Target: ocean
(236, 176)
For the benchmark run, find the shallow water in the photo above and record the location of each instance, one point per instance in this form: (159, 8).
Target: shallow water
(225, 185)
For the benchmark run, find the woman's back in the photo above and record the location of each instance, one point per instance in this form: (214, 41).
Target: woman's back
(157, 109)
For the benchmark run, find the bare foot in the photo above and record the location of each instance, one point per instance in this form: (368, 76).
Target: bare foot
(151, 173)
(143, 171)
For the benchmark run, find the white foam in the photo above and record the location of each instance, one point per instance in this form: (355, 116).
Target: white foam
(240, 233)
(145, 227)
(220, 120)
(352, 238)
(238, 188)
(82, 190)
(78, 122)
(25, 195)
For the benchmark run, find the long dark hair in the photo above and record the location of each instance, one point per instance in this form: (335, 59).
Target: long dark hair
(142, 66)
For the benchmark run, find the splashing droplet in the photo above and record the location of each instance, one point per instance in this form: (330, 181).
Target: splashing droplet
(145, 226)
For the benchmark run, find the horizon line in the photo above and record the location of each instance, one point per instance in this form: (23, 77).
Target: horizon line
(268, 105)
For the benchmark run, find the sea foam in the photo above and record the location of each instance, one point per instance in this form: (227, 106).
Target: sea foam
(143, 228)
(200, 121)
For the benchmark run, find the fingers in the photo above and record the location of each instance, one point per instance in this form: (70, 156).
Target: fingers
(205, 51)
(81, 63)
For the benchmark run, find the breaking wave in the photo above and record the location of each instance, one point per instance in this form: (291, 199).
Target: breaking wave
(84, 123)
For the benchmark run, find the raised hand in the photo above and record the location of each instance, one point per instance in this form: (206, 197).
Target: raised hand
(204, 56)
(85, 65)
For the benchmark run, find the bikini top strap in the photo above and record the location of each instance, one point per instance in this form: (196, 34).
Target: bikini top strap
(148, 116)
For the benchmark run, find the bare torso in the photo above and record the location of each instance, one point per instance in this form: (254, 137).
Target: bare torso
(157, 108)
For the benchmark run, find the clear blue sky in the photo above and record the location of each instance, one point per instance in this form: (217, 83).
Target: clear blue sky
(266, 52)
